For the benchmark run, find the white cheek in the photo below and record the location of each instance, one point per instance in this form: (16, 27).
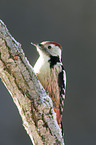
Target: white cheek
(56, 51)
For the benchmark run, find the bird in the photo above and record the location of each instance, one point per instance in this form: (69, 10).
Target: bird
(51, 74)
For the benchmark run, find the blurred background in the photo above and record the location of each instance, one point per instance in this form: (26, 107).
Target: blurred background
(72, 23)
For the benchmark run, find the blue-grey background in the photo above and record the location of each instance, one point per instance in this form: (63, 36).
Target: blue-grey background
(72, 23)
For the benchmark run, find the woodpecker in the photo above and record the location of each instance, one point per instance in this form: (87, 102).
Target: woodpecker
(50, 72)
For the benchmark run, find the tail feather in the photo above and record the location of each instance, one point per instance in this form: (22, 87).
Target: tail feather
(59, 120)
(62, 129)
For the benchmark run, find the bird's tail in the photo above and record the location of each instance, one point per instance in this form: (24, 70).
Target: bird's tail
(62, 129)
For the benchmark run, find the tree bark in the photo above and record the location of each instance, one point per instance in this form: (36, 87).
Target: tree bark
(33, 103)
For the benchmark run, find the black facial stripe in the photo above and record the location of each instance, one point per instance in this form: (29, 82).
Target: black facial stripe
(53, 60)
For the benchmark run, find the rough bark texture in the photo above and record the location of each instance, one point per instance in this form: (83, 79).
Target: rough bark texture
(34, 105)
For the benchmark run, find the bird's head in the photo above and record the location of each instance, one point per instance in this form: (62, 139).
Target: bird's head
(49, 48)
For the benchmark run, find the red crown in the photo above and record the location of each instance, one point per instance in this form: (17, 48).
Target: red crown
(52, 42)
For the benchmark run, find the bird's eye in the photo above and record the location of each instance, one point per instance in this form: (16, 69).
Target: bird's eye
(49, 47)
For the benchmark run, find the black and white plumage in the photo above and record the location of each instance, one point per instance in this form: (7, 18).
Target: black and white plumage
(54, 60)
(50, 72)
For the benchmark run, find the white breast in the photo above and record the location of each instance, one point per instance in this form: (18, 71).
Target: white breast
(42, 66)
(48, 78)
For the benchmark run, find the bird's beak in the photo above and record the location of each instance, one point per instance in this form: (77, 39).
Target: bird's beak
(34, 44)
(38, 45)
